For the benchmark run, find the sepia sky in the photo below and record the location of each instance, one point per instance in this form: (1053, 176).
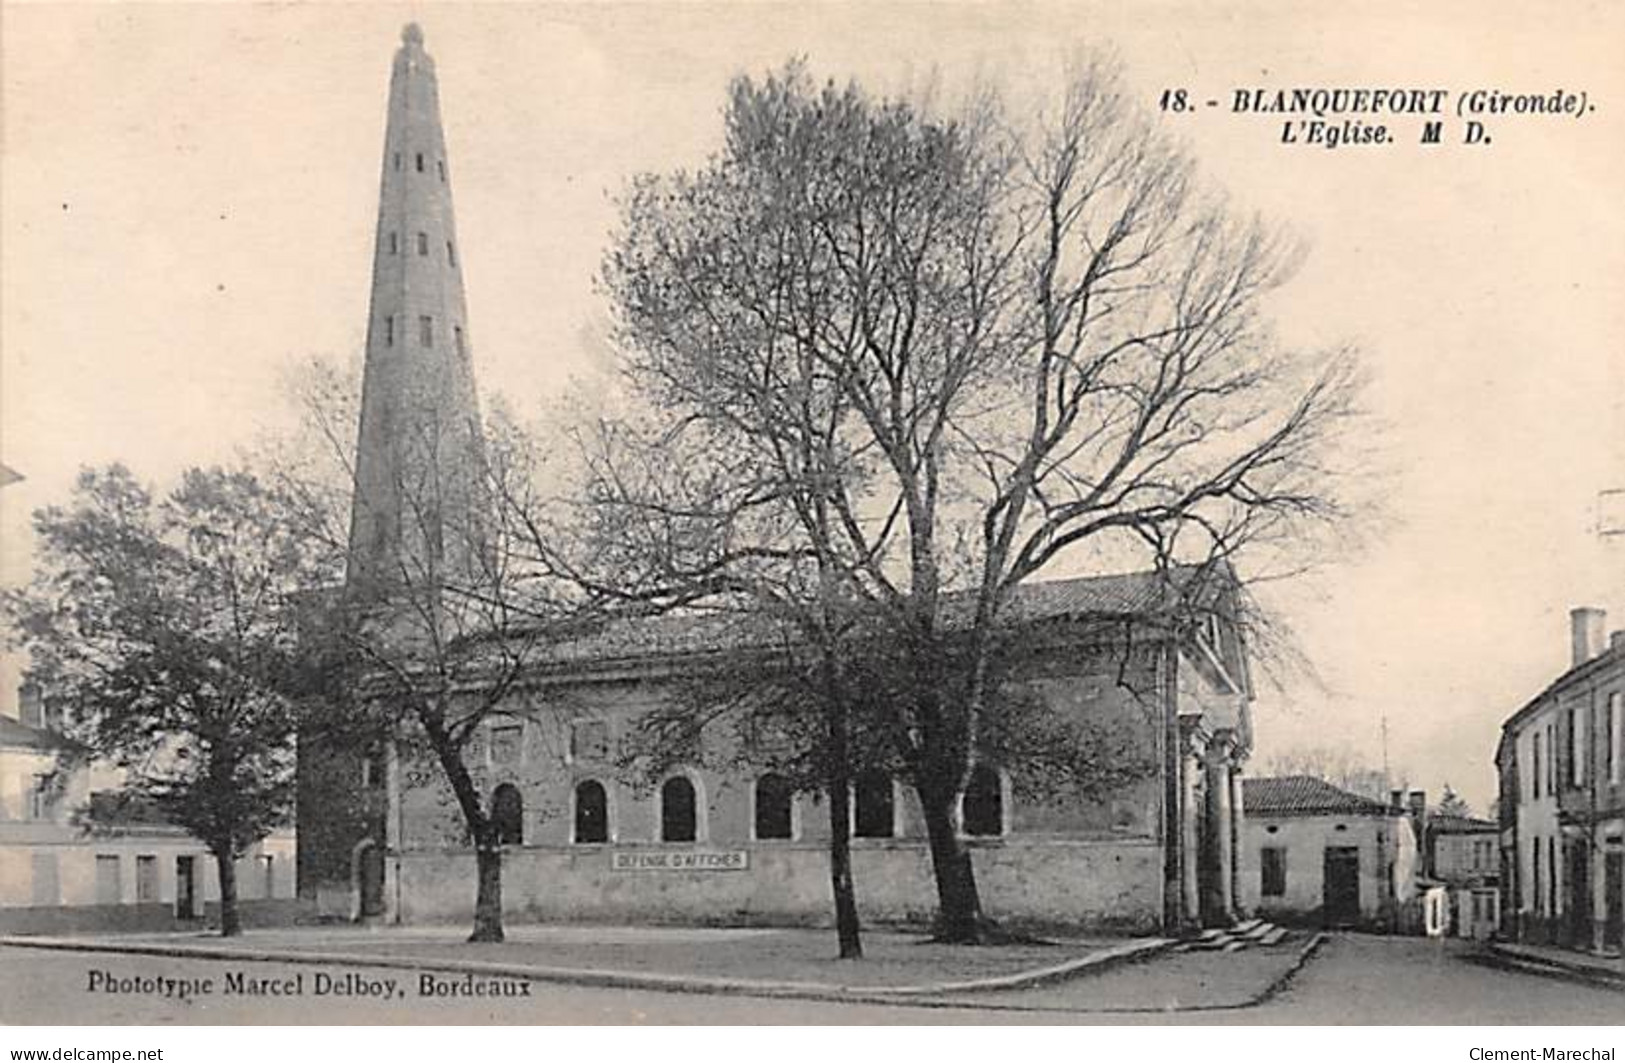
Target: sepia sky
(188, 194)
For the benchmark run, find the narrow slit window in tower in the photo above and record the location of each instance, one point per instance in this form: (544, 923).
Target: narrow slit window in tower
(420, 162)
(423, 243)
(426, 330)
(457, 335)
(397, 160)
(394, 243)
(389, 331)
(451, 254)
(440, 164)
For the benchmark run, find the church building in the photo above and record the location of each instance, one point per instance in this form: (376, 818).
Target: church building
(380, 839)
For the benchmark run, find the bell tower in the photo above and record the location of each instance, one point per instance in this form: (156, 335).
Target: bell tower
(416, 512)
(416, 519)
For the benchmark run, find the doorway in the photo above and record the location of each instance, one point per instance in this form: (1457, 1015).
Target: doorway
(1341, 888)
(367, 874)
(1613, 875)
(185, 887)
(1578, 922)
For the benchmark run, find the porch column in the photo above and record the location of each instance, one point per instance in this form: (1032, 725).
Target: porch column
(1191, 821)
(1220, 883)
(1238, 818)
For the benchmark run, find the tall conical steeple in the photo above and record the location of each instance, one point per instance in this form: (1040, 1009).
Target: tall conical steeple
(416, 511)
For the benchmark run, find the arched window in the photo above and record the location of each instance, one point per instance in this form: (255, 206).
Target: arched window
(592, 813)
(508, 815)
(678, 821)
(983, 806)
(774, 800)
(874, 814)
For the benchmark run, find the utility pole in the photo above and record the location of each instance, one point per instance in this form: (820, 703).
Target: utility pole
(1387, 780)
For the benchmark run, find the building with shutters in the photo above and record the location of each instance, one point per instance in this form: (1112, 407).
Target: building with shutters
(1463, 853)
(1561, 761)
(1317, 854)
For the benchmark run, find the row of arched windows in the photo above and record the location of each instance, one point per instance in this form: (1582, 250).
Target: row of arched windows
(874, 812)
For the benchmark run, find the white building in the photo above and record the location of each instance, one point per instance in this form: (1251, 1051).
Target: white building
(1314, 853)
(74, 857)
(1562, 800)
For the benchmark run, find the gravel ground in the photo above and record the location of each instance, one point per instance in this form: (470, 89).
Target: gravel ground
(780, 955)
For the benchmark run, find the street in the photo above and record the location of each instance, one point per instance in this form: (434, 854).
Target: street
(1353, 980)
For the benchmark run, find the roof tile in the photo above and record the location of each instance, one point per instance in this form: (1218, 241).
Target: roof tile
(1304, 795)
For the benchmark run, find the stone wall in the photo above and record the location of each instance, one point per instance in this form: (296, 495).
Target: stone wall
(1075, 883)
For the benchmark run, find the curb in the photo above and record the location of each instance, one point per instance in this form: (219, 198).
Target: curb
(1305, 954)
(1091, 963)
(1555, 967)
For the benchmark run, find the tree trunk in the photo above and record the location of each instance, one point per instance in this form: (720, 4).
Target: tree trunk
(959, 906)
(840, 844)
(230, 923)
(487, 848)
(488, 900)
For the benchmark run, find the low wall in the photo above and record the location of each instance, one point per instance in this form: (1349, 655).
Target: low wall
(1112, 883)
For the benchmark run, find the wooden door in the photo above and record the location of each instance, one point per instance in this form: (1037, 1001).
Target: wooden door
(1341, 888)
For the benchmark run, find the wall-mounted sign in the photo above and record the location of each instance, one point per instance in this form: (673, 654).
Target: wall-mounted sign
(733, 860)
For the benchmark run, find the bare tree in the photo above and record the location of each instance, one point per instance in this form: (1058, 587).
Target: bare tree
(425, 645)
(1024, 340)
(676, 519)
(1343, 768)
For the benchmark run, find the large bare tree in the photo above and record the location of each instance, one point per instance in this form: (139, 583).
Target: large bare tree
(1026, 340)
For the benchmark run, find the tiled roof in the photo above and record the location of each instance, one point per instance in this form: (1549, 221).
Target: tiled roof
(17, 735)
(1461, 825)
(1304, 795)
(1126, 594)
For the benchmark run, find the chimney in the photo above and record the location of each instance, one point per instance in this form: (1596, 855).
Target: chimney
(1616, 641)
(1396, 800)
(1419, 828)
(1587, 627)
